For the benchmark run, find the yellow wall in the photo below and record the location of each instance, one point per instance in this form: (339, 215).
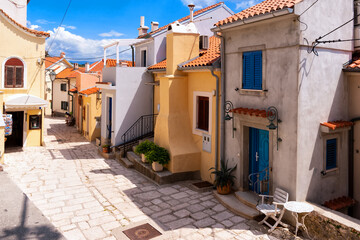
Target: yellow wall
(95, 111)
(29, 48)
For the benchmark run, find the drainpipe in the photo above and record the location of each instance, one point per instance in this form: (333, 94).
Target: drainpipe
(132, 56)
(216, 119)
(351, 162)
(222, 110)
(72, 103)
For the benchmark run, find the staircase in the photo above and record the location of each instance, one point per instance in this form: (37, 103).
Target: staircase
(240, 203)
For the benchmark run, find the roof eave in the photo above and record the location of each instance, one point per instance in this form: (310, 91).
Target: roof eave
(156, 70)
(351, 70)
(257, 18)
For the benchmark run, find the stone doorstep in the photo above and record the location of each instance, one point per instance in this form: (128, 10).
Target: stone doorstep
(163, 177)
(118, 232)
(110, 155)
(248, 198)
(235, 206)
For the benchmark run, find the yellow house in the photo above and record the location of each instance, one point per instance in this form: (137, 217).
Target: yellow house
(185, 91)
(22, 78)
(90, 104)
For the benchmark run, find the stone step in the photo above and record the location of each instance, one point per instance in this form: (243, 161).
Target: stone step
(126, 162)
(235, 206)
(250, 199)
(163, 177)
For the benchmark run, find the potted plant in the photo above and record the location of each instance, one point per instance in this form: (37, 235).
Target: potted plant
(143, 148)
(106, 148)
(223, 178)
(158, 157)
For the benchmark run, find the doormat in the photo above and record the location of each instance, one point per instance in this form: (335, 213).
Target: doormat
(203, 184)
(142, 232)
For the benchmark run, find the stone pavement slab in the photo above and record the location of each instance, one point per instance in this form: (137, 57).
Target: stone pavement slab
(87, 197)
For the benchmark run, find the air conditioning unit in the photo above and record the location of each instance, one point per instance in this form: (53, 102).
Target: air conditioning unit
(204, 42)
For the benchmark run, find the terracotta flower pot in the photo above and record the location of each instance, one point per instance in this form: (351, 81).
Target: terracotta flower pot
(106, 150)
(143, 158)
(224, 190)
(157, 167)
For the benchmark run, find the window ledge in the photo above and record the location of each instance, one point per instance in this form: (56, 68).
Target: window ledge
(253, 92)
(329, 172)
(200, 132)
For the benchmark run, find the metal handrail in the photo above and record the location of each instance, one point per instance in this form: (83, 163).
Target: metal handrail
(257, 174)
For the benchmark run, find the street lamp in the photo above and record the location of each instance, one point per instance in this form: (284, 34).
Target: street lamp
(228, 109)
(272, 116)
(52, 76)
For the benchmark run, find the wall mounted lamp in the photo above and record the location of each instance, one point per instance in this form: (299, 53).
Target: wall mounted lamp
(272, 116)
(228, 109)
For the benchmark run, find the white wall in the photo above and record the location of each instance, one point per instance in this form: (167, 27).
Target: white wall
(59, 95)
(16, 12)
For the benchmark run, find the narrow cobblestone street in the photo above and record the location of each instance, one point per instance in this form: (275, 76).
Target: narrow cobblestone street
(86, 196)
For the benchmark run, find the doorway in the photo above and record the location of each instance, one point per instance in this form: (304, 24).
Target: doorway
(17, 136)
(259, 161)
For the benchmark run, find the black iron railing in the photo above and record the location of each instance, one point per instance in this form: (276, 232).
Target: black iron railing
(260, 181)
(142, 128)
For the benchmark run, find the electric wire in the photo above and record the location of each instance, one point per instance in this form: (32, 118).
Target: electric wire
(57, 31)
(16, 4)
(298, 18)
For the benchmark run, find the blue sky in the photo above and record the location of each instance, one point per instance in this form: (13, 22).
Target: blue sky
(91, 24)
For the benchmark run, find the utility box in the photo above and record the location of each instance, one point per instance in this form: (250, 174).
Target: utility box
(206, 139)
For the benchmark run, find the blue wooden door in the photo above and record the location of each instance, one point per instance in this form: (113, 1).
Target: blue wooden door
(259, 160)
(109, 125)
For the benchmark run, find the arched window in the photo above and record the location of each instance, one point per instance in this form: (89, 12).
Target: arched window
(14, 73)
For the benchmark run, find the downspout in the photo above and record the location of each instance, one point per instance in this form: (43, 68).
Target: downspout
(132, 56)
(222, 110)
(351, 162)
(72, 103)
(216, 119)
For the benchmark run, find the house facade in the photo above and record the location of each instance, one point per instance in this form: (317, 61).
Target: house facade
(130, 95)
(270, 62)
(22, 78)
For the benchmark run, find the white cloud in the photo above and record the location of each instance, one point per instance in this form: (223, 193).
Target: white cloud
(246, 4)
(112, 33)
(69, 27)
(34, 27)
(199, 3)
(43, 21)
(77, 47)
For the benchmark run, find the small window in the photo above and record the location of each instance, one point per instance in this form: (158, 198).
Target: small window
(14, 73)
(63, 87)
(202, 113)
(64, 105)
(252, 70)
(143, 58)
(331, 154)
(34, 122)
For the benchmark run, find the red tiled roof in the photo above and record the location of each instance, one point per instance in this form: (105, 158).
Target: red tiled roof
(160, 65)
(251, 112)
(208, 57)
(339, 203)
(183, 19)
(354, 64)
(266, 6)
(90, 91)
(69, 72)
(51, 60)
(73, 90)
(112, 62)
(337, 124)
(34, 32)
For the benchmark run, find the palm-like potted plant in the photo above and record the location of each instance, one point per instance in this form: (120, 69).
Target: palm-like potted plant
(158, 157)
(143, 148)
(223, 178)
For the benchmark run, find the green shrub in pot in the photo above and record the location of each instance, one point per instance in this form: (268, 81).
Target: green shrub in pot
(144, 147)
(159, 155)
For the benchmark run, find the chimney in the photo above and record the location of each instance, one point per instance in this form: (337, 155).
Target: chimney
(62, 54)
(191, 7)
(142, 29)
(76, 66)
(87, 67)
(154, 26)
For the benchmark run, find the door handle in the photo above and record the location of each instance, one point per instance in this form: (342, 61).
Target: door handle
(257, 156)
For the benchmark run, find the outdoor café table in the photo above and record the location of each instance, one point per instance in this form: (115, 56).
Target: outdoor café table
(299, 208)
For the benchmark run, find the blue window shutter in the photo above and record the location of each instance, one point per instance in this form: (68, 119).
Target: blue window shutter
(248, 70)
(331, 147)
(258, 70)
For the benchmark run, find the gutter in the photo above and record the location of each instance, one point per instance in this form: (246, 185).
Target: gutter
(351, 162)
(253, 19)
(217, 62)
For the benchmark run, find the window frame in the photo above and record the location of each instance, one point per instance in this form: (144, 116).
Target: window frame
(255, 72)
(61, 87)
(197, 130)
(338, 148)
(4, 74)
(67, 105)
(142, 58)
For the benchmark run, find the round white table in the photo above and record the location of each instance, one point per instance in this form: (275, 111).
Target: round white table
(299, 208)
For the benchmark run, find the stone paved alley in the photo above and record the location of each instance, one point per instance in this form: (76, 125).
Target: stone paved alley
(86, 196)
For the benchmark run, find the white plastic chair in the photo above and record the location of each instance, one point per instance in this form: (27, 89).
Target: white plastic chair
(274, 209)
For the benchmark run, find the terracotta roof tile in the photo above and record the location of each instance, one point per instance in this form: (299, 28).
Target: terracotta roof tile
(51, 60)
(354, 64)
(339, 203)
(160, 65)
(251, 112)
(208, 57)
(182, 19)
(69, 72)
(34, 32)
(90, 91)
(112, 62)
(337, 124)
(266, 6)
(73, 90)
